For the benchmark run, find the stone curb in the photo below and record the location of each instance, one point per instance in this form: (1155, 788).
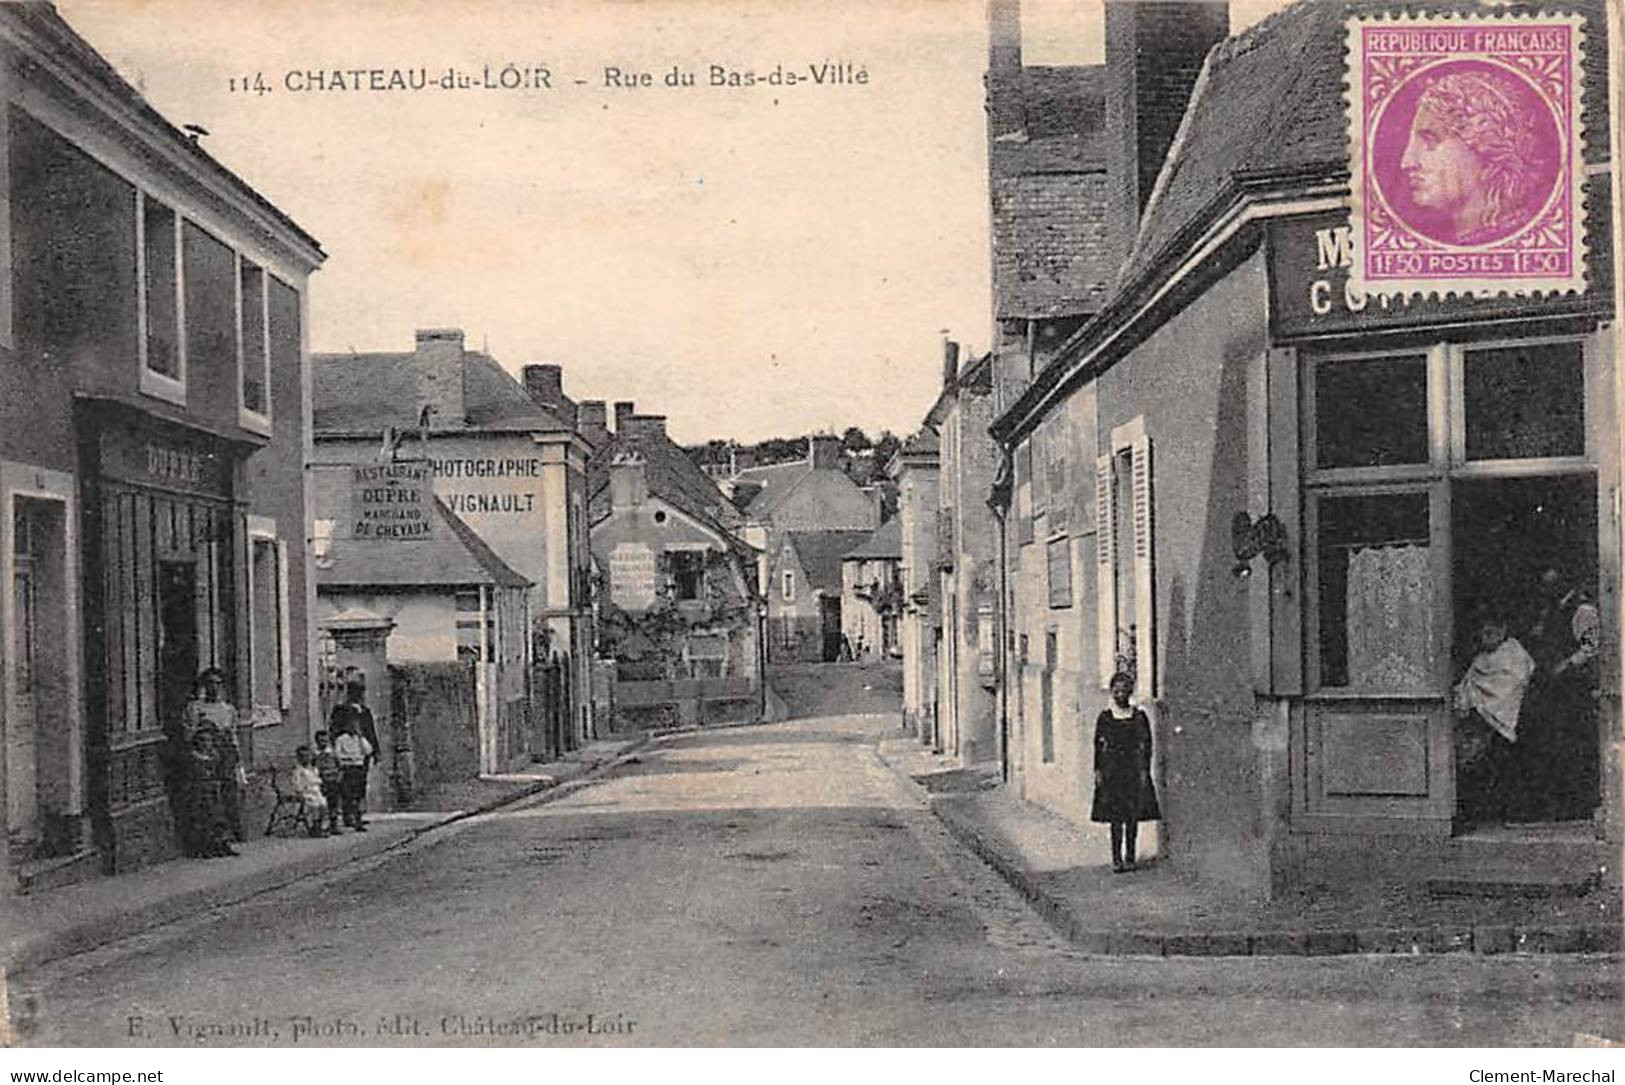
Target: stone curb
(91, 933)
(1483, 939)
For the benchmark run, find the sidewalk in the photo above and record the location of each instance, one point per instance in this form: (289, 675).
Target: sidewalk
(1064, 869)
(46, 926)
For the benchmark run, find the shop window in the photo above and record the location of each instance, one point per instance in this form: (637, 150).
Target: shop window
(1524, 402)
(687, 575)
(271, 685)
(254, 361)
(1371, 412)
(160, 289)
(1374, 567)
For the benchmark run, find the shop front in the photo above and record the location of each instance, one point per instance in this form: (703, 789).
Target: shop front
(1451, 467)
(164, 537)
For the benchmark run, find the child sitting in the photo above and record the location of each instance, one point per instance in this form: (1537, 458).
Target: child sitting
(307, 784)
(327, 768)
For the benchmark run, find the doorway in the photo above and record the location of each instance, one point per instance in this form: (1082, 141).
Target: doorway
(829, 610)
(1526, 555)
(177, 638)
(39, 738)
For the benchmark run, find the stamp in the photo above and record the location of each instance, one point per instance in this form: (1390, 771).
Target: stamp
(1465, 155)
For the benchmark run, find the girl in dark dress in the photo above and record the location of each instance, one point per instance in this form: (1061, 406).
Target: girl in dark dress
(1124, 794)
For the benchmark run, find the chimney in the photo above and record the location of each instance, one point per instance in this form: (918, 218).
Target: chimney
(950, 363)
(545, 383)
(438, 361)
(628, 481)
(591, 417)
(1154, 53)
(824, 451)
(1006, 102)
(642, 425)
(624, 409)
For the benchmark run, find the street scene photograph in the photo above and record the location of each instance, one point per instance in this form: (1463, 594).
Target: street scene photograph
(1022, 524)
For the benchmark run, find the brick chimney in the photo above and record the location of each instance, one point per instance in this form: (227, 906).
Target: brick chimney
(591, 416)
(824, 451)
(624, 409)
(628, 481)
(438, 366)
(950, 363)
(1154, 52)
(1006, 100)
(643, 425)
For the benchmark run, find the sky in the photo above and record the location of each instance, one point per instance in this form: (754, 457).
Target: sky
(749, 261)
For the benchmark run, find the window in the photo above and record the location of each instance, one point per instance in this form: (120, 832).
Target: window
(1046, 685)
(473, 644)
(254, 354)
(322, 543)
(687, 574)
(1124, 555)
(1371, 412)
(270, 680)
(1375, 592)
(1024, 493)
(787, 589)
(1058, 562)
(163, 360)
(1524, 402)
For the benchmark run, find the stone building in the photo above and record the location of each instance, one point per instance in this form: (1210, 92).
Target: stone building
(154, 424)
(501, 462)
(804, 595)
(1246, 458)
(872, 593)
(914, 468)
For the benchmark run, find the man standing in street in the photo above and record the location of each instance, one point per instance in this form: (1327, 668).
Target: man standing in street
(355, 743)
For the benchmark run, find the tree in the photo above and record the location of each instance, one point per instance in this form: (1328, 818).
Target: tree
(855, 440)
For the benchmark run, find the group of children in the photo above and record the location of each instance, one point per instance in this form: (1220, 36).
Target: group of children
(332, 780)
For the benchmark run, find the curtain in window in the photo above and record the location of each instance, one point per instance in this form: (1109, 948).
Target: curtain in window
(1390, 618)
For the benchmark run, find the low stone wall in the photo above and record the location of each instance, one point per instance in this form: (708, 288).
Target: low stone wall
(683, 702)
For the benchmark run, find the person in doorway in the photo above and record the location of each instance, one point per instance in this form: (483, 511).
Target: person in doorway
(208, 832)
(209, 712)
(1564, 641)
(1124, 794)
(354, 754)
(1489, 701)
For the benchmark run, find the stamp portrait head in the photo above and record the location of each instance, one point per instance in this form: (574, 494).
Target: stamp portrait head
(1467, 153)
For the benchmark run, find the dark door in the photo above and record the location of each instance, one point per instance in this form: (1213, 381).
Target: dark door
(830, 612)
(177, 638)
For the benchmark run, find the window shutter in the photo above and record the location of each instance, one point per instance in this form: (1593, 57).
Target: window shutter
(1105, 584)
(1144, 552)
(284, 643)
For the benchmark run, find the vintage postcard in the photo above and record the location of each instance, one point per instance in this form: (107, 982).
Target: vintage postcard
(956, 523)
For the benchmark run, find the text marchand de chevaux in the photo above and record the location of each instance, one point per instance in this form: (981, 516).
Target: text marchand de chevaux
(532, 77)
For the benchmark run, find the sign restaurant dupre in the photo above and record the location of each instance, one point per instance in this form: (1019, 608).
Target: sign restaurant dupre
(391, 502)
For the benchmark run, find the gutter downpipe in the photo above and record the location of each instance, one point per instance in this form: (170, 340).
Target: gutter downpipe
(998, 502)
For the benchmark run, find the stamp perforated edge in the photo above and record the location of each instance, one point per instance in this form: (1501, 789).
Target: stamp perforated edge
(1353, 115)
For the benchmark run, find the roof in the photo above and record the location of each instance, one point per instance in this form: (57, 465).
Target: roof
(672, 476)
(454, 556)
(363, 393)
(772, 478)
(44, 19)
(819, 485)
(820, 553)
(886, 543)
(1269, 103)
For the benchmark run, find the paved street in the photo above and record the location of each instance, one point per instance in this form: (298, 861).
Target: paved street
(760, 885)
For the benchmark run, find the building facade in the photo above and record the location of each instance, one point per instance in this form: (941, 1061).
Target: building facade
(504, 465)
(872, 594)
(1288, 509)
(154, 422)
(914, 468)
(804, 595)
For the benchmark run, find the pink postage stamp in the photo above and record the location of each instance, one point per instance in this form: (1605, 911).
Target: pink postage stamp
(1465, 155)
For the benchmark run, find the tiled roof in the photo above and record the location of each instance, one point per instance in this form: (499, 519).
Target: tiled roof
(885, 543)
(820, 486)
(362, 393)
(821, 552)
(453, 555)
(672, 476)
(771, 479)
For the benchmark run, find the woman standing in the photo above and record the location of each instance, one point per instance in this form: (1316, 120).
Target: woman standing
(1124, 794)
(208, 713)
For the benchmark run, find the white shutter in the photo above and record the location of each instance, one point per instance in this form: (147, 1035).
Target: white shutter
(1144, 606)
(1105, 564)
(284, 643)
